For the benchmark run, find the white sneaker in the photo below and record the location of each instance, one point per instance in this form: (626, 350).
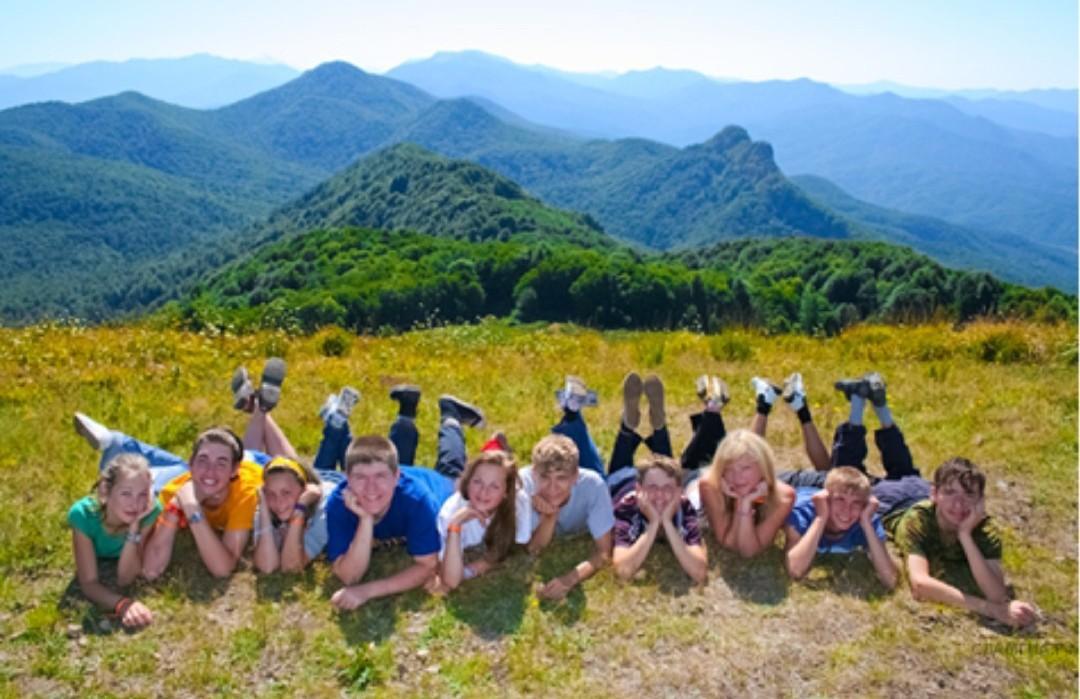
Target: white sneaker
(97, 435)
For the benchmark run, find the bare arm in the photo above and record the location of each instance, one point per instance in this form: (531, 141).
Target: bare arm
(415, 575)
(926, 588)
(453, 564)
(220, 555)
(293, 555)
(351, 565)
(541, 536)
(884, 566)
(131, 556)
(267, 558)
(800, 550)
(990, 579)
(716, 511)
(628, 559)
(86, 570)
(693, 559)
(159, 549)
(601, 556)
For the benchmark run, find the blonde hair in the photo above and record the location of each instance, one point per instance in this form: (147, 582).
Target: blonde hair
(847, 479)
(120, 467)
(555, 452)
(741, 443)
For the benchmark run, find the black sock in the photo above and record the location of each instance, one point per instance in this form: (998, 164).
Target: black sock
(804, 414)
(570, 415)
(407, 408)
(763, 407)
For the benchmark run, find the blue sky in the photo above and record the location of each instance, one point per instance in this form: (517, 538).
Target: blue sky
(944, 43)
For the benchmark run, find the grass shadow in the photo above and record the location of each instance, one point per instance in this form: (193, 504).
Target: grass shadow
(375, 621)
(850, 575)
(557, 559)
(761, 579)
(494, 605)
(282, 587)
(187, 576)
(662, 569)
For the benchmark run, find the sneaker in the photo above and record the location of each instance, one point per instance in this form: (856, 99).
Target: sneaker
(765, 391)
(654, 393)
(794, 391)
(329, 407)
(574, 396)
(712, 390)
(875, 388)
(452, 406)
(242, 390)
(347, 400)
(853, 387)
(97, 435)
(270, 385)
(631, 400)
(407, 396)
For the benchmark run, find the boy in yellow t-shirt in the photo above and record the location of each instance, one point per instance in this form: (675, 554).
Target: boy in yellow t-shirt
(216, 500)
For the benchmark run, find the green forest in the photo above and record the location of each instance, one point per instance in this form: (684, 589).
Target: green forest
(368, 280)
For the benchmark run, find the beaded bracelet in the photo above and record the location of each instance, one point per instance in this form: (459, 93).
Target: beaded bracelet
(121, 606)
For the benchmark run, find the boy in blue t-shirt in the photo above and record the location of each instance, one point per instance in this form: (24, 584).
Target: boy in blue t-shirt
(839, 518)
(380, 500)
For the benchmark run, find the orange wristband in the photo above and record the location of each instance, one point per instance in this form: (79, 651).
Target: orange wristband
(455, 528)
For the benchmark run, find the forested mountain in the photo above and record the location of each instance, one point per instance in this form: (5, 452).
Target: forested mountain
(367, 280)
(200, 81)
(918, 155)
(107, 190)
(407, 187)
(1013, 258)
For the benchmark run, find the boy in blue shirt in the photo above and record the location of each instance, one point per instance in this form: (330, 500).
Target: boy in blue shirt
(839, 518)
(380, 500)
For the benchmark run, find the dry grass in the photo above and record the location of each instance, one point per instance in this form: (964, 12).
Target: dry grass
(1003, 395)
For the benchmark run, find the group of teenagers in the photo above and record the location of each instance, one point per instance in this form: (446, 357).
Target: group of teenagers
(463, 517)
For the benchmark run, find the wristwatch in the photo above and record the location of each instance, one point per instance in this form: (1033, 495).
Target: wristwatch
(195, 517)
(133, 537)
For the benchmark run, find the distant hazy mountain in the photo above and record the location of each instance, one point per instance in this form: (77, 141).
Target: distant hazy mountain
(1009, 257)
(199, 81)
(919, 155)
(99, 193)
(1053, 98)
(29, 70)
(1020, 115)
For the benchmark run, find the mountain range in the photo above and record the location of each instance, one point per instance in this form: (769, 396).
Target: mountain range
(200, 81)
(107, 189)
(924, 156)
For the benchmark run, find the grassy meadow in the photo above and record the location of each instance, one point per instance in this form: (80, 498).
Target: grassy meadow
(1004, 395)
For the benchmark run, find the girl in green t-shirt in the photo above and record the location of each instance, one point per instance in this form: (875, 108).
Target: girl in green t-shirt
(112, 523)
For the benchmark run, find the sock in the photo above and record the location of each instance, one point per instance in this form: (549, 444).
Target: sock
(858, 404)
(884, 416)
(804, 414)
(570, 415)
(763, 406)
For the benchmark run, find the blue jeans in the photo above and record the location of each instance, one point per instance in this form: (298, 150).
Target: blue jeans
(336, 438)
(573, 426)
(165, 465)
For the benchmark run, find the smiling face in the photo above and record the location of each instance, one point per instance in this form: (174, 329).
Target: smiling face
(129, 498)
(554, 485)
(953, 504)
(372, 484)
(659, 487)
(844, 510)
(743, 475)
(282, 491)
(211, 470)
(487, 488)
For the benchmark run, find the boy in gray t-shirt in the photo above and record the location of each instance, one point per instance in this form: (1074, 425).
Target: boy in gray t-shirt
(566, 500)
